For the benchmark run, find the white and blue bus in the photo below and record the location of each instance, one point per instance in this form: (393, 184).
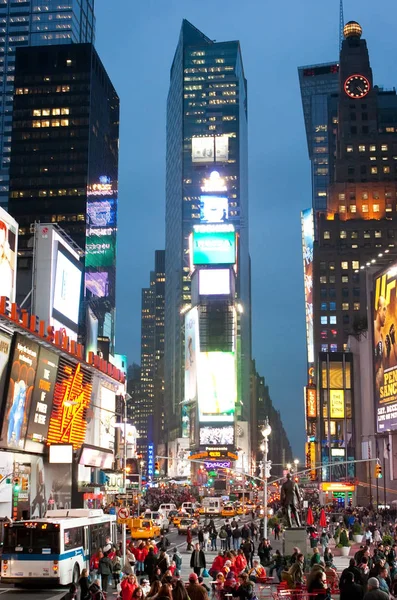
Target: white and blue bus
(54, 550)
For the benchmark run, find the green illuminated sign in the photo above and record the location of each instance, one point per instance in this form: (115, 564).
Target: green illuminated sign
(214, 245)
(100, 251)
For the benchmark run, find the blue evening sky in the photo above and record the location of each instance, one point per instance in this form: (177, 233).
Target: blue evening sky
(136, 41)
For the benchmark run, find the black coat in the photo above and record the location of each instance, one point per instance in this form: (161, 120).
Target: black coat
(84, 588)
(202, 563)
(352, 591)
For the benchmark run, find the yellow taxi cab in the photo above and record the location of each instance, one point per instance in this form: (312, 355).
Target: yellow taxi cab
(179, 517)
(228, 511)
(143, 529)
(240, 509)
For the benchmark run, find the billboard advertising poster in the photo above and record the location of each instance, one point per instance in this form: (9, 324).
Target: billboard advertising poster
(100, 250)
(217, 386)
(19, 393)
(102, 213)
(8, 255)
(5, 348)
(97, 282)
(337, 404)
(214, 245)
(214, 282)
(210, 149)
(307, 248)
(218, 436)
(67, 288)
(385, 349)
(72, 397)
(214, 209)
(42, 397)
(191, 348)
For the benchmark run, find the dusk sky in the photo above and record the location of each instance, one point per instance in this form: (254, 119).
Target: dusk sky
(136, 42)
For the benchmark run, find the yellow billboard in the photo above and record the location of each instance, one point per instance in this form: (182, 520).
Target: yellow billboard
(337, 404)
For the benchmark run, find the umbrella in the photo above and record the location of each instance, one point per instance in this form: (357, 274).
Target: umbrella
(323, 519)
(309, 517)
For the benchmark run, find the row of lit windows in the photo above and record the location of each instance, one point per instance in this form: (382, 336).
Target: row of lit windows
(46, 112)
(330, 348)
(45, 193)
(344, 279)
(52, 123)
(344, 265)
(44, 90)
(331, 306)
(365, 195)
(364, 208)
(364, 148)
(354, 234)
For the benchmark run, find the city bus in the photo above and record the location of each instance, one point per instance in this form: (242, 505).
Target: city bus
(54, 550)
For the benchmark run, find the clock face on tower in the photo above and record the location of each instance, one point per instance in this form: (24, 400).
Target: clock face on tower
(357, 86)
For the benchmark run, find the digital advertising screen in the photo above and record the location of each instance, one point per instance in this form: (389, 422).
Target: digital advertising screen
(214, 245)
(100, 251)
(72, 397)
(42, 397)
(191, 354)
(8, 255)
(307, 248)
(217, 386)
(19, 392)
(214, 209)
(5, 349)
(214, 282)
(107, 421)
(210, 149)
(97, 282)
(102, 213)
(385, 349)
(217, 436)
(67, 288)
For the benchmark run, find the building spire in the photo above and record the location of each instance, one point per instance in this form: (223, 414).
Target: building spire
(341, 24)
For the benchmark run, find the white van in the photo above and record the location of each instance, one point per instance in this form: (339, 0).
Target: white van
(159, 519)
(165, 508)
(212, 506)
(188, 507)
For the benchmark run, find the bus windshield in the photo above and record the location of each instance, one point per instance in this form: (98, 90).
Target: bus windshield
(36, 541)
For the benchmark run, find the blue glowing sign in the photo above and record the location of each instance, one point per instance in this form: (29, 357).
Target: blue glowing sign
(150, 460)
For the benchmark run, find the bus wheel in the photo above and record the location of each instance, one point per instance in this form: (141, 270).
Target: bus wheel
(76, 574)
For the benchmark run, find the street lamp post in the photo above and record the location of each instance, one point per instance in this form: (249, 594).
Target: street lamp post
(266, 431)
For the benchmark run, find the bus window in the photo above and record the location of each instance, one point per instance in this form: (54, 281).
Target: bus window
(21, 539)
(73, 538)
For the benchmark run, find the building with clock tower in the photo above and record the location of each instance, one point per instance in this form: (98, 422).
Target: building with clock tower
(358, 224)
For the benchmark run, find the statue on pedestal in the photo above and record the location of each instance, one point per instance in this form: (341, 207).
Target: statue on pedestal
(290, 500)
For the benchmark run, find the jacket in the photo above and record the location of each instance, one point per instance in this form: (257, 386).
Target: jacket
(105, 566)
(196, 592)
(84, 588)
(127, 589)
(201, 562)
(218, 563)
(352, 591)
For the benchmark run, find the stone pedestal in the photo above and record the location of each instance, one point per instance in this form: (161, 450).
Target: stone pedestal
(295, 537)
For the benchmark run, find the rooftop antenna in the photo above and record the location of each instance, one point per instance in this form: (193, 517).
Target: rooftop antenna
(341, 24)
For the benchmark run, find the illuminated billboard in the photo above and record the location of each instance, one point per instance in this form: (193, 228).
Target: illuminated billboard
(311, 403)
(216, 386)
(214, 209)
(8, 255)
(191, 353)
(385, 349)
(106, 416)
(214, 282)
(19, 393)
(100, 250)
(102, 213)
(217, 436)
(72, 397)
(337, 404)
(5, 348)
(97, 282)
(214, 245)
(67, 287)
(307, 247)
(210, 149)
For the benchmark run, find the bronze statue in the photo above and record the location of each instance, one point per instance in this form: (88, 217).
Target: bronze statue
(290, 500)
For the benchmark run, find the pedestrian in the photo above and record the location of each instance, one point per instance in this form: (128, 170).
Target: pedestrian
(236, 536)
(116, 571)
(72, 593)
(177, 558)
(189, 539)
(316, 558)
(194, 590)
(277, 531)
(94, 563)
(145, 585)
(197, 560)
(128, 586)
(246, 589)
(200, 536)
(179, 592)
(223, 537)
(150, 564)
(95, 590)
(374, 593)
(154, 590)
(163, 562)
(213, 537)
(248, 549)
(264, 552)
(324, 540)
(206, 534)
(240, 562)
(351, 590)
(105, 569)
(84, 585)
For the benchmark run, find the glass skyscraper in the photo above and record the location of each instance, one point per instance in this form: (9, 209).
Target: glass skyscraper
(34, 23)
(207, 104)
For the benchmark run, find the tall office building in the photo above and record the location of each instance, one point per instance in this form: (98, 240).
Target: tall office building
(206, 153)
(34, 23)
(64, 164)
(149, 408)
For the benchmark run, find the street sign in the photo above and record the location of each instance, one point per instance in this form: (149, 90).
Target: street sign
(123, 514)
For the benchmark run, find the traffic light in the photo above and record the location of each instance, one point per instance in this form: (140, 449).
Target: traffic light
(378, 471)
(156, 468)
(25, 484)
(16, 484)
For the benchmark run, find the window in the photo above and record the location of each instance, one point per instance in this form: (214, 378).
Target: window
(324, 347)
(344, 265)
(346, 319)
(324, 334)
(367, 234)
(341, 197)
(355, 264)
(354, 235)
(384, 147)
(332, 292)
(364, 196)
(332, 320)
(323, 279)
(374, 170)
(372, 158)
(324, 306)
(343, 235)
(324, 320)
(345, 278)
(386, 169)
(372, 148)
(389, 207)
(361, 148)
(375, 195)
(356, 306)
(345, 292)
(365, 208)
(332, 306)
(73, 538)
(331, 266)
(56, 112)
(345, 306)
(342, 208)
(323, 266)
(334, 347)
(353, 208)
(323, 292)
(356, 292)
(64, 122)
(349, 148)
(327, 235)
(378, 233)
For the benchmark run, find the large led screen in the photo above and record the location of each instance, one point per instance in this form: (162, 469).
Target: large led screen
(385, 349)
(307, 247)
(102, 213)
(214, 209)
(19, 393)
(5, 348)
(67, 288)
(101, 251)
(191, 354)
(217, 386)
(217, 436)
(214, 282)
(214, 245)
(97, 283)
(210, 149)
(42, 397)
(8, 255)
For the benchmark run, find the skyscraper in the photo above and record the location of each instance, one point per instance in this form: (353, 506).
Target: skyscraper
(64, 163)
(206, 137)
(34, 23)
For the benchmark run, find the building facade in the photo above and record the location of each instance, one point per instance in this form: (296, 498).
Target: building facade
(34, 23)
(64, 165)
(206, 137)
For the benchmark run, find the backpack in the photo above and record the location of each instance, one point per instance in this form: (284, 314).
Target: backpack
(222, 534)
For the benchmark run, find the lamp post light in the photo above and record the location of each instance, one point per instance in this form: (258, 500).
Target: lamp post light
(266, 431)
(296, 463)
(289, 466)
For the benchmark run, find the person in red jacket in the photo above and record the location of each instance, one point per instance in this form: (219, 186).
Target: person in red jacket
(140, 559)
(217, 564)
(240, 563)
(94, 564)
(128, 586)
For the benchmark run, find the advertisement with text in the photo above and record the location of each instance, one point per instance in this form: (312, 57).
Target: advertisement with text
(8, 255)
